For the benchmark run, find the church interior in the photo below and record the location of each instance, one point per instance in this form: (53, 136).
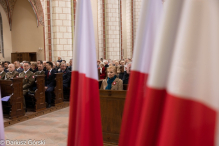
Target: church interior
(109, 72)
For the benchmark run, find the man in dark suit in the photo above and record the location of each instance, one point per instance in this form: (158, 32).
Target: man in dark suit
(66, 77)
(59, 59)
(49, 82)
(127, 73)
(6, 66)
(18, 67)
(38, 63)
(106, 64)
(70, 66)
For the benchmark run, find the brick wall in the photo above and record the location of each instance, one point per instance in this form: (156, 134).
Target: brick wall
(61, 29)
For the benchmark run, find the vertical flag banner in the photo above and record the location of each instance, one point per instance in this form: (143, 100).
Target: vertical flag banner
(147, 29)
(181, 103)
(85, 119)
(2, 135)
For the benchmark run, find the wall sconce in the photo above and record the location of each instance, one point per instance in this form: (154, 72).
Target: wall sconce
(40, 49)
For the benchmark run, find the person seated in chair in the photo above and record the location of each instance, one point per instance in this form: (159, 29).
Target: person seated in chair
(49, 82)
(112, 83)
(18, 67)
(66, 77)
(40, 70)
(102, 71)
(6, 66)
(2, 73)
(28, 80)
(126, 73)
(12, 73)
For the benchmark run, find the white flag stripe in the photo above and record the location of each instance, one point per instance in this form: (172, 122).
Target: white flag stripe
(83, 40)
(164, 44)
(196, 55)
(2, 135)
(147, 31)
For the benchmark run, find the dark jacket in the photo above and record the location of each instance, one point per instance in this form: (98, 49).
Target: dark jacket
(6, 70)
(66, 77)
(50, 80)
(106, 66)
(125, 78)
(35, 70)
(59, 61)
(19, 70)
(44, 69)
(70, 68)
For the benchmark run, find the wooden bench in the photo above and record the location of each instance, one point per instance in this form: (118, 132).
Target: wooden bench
(13, 88)
(112, 105)
(58, 90)
(36, 98)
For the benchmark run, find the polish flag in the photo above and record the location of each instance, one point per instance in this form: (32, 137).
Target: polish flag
(149, 21)
(2, 135)
(85, 120)
(181, 106)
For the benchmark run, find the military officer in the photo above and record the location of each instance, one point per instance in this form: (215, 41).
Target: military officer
(29, 78)
(12, 73)
(40, 70)
(2, 73)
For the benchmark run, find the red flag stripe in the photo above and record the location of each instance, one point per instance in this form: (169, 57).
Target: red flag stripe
(84, 121)
(134, 101)
(168, 120)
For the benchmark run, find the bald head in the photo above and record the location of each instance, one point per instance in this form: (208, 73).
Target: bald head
(11, 67)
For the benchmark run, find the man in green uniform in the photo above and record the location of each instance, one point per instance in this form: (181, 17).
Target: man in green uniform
(28, 80)
(40, 70)
(12, 73)
(28, 76)
(2, 73)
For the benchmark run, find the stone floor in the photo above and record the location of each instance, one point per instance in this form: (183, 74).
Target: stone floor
(51, 127)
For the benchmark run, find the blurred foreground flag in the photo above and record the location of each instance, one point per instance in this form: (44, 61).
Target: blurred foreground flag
(181, 106)
(85, 121)
(2, 136)
(148, 25)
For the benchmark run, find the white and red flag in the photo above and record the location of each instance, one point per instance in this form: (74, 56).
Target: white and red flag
(2, 135)
(149, 21)
(85, 120)
(181, 106)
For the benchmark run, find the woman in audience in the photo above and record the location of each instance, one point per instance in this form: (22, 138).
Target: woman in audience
(102, 71)
(33, 66)
(112, 83)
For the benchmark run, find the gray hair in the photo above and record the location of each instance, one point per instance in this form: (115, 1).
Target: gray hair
(63, 63)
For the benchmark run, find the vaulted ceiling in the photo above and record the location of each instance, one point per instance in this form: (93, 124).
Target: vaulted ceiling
(8, 6)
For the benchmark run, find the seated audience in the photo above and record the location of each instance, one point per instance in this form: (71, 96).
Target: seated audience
(126, 73)
(44, 65)
(2, 73)
(66, 77)
(40, 70)
(33, 66)
(59, 60)
(6, 66)
(121, 74)
(102, 71)
(112, 83)
(98, 63)
(11, 72)
(70, 65)
(38, 62)
(106, 64)
(28, 80)
(18, 67)
(49, 82)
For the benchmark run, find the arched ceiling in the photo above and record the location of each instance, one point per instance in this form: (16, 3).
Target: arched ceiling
(8, 6)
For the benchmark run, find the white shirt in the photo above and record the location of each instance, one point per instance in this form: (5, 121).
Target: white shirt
(26, 71)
